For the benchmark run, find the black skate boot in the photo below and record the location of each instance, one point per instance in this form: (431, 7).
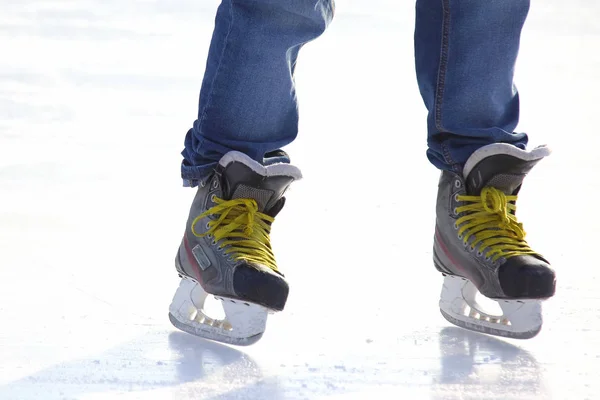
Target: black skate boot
(226, 251)
(480, 246)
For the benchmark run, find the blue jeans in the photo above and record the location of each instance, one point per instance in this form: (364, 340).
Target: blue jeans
(465, 53)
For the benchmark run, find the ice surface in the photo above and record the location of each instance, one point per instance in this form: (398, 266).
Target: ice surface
(95, 97)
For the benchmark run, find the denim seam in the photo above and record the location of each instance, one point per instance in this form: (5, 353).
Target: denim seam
(448, 158)
(222, 56)
(441, 80)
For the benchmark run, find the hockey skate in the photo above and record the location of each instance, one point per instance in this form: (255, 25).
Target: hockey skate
(480, 247)
(226, 251)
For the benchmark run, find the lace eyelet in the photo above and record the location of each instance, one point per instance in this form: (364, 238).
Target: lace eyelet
(456, 198)
(456, 226)
(215, 184)
(202, 184)
(479, 254)
(457, 184)
(455, 211)
(208, 225)
(471, 248)
(214, 242)
(460, 237)
(213, 198)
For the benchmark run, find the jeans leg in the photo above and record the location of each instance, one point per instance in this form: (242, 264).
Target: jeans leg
(465, 54)
(247, 100)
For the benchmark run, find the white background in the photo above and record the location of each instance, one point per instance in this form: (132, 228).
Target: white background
(95, 99)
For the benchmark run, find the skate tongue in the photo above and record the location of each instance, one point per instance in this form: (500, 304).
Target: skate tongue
(244, 178)
(495, 173)
(501, 166)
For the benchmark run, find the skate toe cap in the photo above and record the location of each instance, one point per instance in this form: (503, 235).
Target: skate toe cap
(260, 285)
(527, 277)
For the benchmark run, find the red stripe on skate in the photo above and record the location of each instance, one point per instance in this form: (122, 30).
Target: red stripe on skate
(447, 253)
(191, 258)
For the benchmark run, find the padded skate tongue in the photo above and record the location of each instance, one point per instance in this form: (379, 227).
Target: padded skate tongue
(244, 178)
(501, 166)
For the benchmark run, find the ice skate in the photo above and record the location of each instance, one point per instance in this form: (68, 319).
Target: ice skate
(480, 247)
(226, 251)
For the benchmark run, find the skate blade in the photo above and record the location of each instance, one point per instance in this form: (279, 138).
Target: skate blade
(520, 319)
(243, 325)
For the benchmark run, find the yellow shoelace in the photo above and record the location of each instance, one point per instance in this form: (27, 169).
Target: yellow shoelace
(491, 220)
(243, 229)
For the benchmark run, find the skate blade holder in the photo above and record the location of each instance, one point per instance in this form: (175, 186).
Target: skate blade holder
(516, 319)
(243, 324)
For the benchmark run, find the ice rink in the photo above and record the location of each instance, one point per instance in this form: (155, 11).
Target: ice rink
(95, 99)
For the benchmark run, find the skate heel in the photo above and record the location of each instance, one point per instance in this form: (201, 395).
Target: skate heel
(519, 319)
(243, 325)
